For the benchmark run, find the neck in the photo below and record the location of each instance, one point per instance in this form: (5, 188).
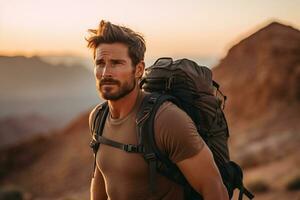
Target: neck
(121, 108)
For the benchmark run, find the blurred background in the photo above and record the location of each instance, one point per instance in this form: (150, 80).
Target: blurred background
(47, 87)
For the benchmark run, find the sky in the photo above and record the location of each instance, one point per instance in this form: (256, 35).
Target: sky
(177, 28)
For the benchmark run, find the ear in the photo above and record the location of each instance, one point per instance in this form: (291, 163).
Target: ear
(139, 70)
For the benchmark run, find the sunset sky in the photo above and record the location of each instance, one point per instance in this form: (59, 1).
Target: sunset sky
(171, 27)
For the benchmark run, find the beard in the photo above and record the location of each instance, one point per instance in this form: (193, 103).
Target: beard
(123, 89)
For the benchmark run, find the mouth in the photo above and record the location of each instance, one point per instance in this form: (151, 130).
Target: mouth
(108, 82)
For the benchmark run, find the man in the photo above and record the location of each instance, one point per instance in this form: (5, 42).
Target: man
(119, 64)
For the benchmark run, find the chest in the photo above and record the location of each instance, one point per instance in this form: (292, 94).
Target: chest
(114, 162)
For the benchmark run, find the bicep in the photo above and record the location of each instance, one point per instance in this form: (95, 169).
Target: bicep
(200, 170)
(98, 191)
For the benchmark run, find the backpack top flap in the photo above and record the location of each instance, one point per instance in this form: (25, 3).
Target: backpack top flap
(197, 79)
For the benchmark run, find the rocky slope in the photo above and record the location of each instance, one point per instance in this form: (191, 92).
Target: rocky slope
(55, 166)
(261, 77)
(17, 129)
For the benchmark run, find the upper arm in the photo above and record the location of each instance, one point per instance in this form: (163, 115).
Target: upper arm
(98, 191)
(175, 133)
(202, 173)
(199, 168)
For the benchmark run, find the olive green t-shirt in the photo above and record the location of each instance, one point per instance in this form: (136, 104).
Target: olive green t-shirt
(126, 174)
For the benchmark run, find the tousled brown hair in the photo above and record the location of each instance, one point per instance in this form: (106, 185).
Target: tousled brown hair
(109, 33)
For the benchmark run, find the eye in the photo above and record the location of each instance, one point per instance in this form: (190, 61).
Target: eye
(100, 64)
(116, 63)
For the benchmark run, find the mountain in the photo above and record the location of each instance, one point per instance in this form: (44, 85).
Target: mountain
(51, 166)
(32, 78)
(31, 86)
(261, 77)
(262, 71)
(68, 60)
(16, 129)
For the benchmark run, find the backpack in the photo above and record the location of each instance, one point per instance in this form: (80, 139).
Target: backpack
(190, 87)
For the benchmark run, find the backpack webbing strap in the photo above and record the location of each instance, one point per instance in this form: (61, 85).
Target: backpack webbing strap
(241, 193)
(167, 167)
(95, 146)
(217, 86)
(152, 161)
(240, 185)
(145, 125)
(96, 127)
(100, 119)
(244, 191)
(248, 193)
(131, 148)
(142, 116)
(232, 176)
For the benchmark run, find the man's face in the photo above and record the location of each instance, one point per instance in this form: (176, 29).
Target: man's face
(114, 73)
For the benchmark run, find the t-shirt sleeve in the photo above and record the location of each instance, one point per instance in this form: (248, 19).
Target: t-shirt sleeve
(175, 133)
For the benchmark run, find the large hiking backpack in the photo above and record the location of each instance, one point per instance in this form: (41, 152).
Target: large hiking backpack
(190, 87)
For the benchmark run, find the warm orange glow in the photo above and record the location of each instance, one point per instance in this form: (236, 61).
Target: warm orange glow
(204, 28)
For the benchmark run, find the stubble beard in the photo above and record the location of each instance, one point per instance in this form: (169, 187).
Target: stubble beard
(123, 90)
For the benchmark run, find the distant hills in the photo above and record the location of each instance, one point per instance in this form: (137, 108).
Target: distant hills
(19, 128)
(70, 60)
(56, 166)
(32, 87)
(32, 78)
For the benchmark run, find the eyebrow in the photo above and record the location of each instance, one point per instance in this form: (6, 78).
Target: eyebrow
(112, 60)
(98, 61)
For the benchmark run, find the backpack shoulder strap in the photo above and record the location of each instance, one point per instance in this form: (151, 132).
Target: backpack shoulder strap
(97, 112)
(145, 125)
(232, 176)
(96, 123)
